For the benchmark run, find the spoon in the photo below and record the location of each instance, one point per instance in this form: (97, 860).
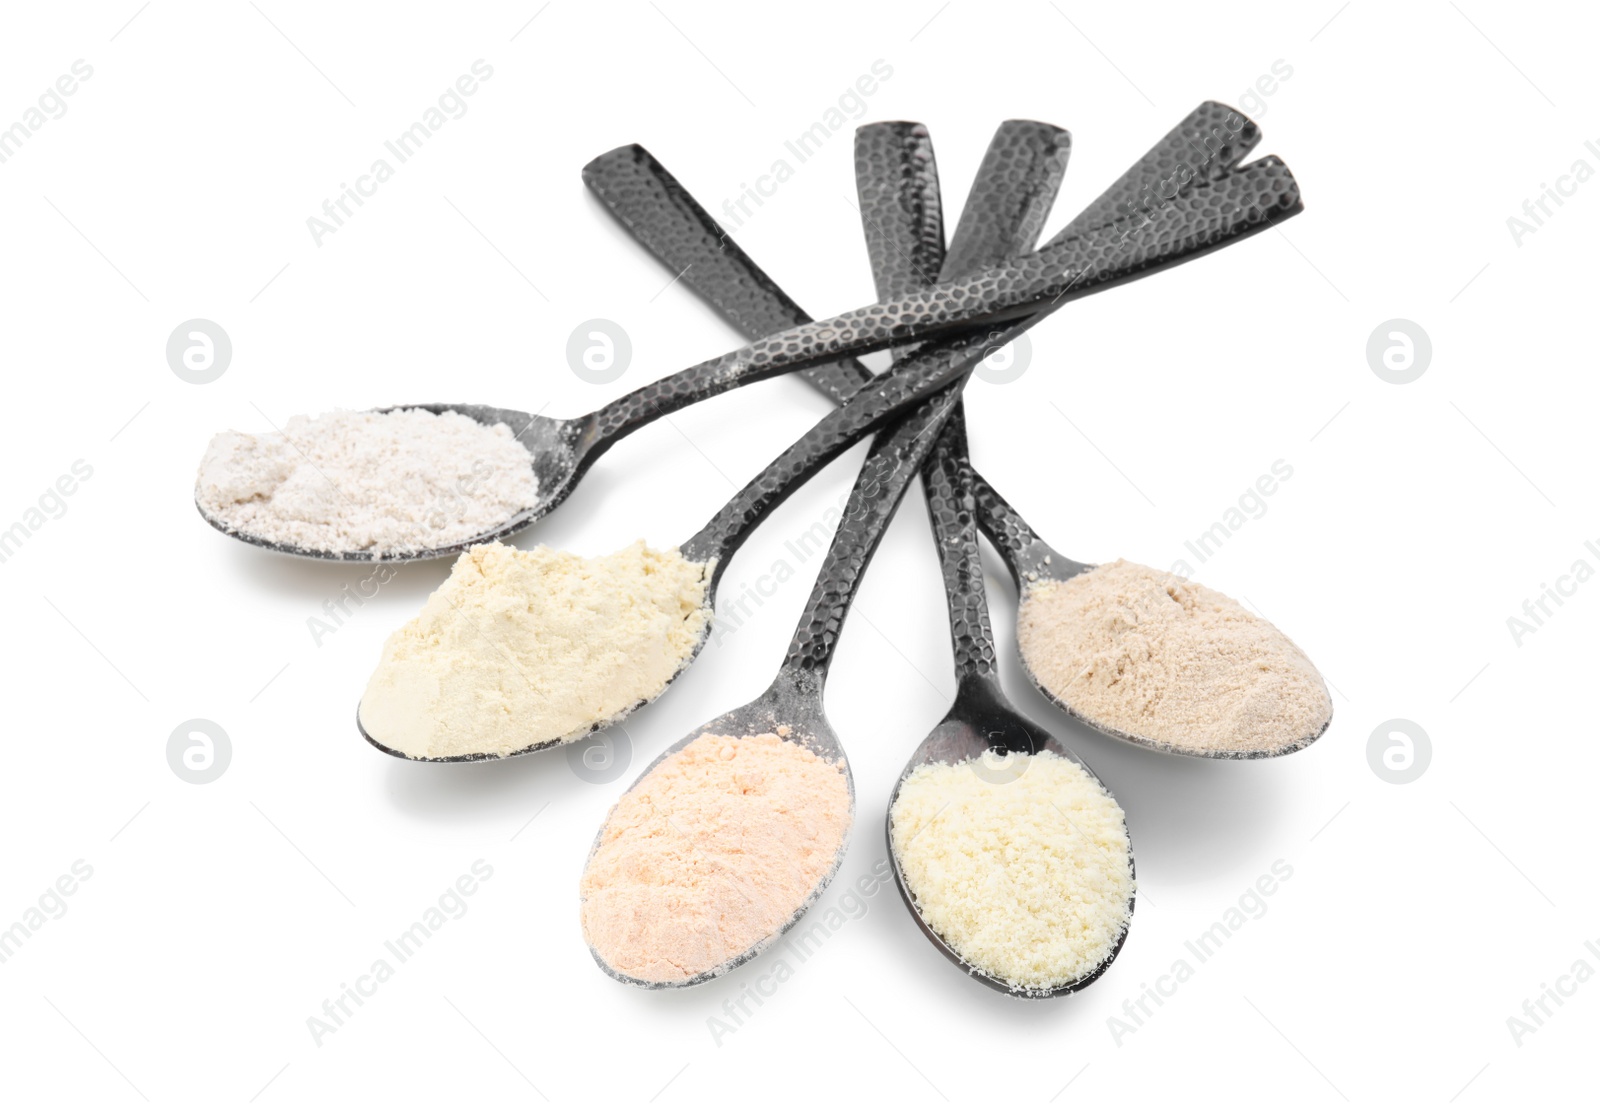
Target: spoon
(1222, 202)
(901, 223)
(980, 719)
(1033, 565)
(668, 221)
(1005, 209)
(792, 707)
(714, 545)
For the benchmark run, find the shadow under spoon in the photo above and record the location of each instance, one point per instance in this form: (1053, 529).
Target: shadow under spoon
(912, 380)
(1220, 203)
(669, 222)
(792, 707)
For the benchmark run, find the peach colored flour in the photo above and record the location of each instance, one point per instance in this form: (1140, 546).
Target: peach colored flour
(711, 853)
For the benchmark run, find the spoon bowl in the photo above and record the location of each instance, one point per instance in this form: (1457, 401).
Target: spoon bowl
(790, 708)
(981, 720)
(1006, 206)
(556, 456)
(1032, 564)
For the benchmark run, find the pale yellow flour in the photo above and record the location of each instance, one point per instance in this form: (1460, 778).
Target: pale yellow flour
(520, 648)
(710, 854)
(1150, 655)
(1029, 879)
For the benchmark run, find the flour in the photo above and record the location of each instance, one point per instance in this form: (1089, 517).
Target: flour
(710, 854)
(1170, 662)
(401, 481)
(1028, 879)
(522, 648)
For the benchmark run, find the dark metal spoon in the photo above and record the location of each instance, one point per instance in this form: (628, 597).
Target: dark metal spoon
(1005, 208)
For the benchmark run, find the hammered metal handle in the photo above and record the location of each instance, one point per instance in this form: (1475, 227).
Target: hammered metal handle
(1011, 196)
(897, 185)
(664, 218)
(1005, 211)
(1007, 530)
(1196, 203)
(947, 481)
(872, 406)
(894, 458)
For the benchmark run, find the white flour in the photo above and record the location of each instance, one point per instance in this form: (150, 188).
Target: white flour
(384, 483)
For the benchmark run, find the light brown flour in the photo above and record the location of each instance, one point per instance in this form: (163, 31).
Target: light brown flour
(1151, 655)
(521, 648)
(710, 854)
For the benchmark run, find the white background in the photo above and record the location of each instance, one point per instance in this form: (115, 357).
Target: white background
(219, 917)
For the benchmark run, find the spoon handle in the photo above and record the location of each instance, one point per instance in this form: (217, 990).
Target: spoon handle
(1012, 195)
(1221, 202)
(894, 458)
(663, 217)
(1022, 549)
(897, 186)
(947, 481)
(1005, 211)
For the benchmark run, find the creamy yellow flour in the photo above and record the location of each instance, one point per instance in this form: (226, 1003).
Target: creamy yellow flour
(521, 648)
(1030, 880)
(1151, 655)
